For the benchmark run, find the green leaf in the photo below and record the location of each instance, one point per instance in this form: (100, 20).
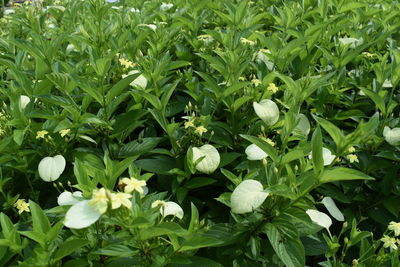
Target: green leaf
(136, 148)
(281, 190)
(194, 219)
(69, 247)
(199, 182)
(290, 251)
(199, 241)
(342, 174)
(164, 228)
(40, 221)
(332, 130)
(317, 158)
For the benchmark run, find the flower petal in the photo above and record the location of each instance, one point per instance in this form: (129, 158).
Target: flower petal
(254, 152)
(247, 196)
(81, 215)
(319, 218)
(332, 208)
(171, 208)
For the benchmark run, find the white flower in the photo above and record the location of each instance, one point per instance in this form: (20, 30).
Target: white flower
(267, 110)
(254, 152)
(166, 6)
(327, 156)
(211, 159)
(23, 101)
(247, 196)
(332, 208)
(111, 1)
(151, 26)
(140, 81)
(387, 84)
(392, 136)
(320, 218)
(81, 215)
(354, 42)
(134, 10)
(303, 126)
(67, 198)
(50, 168)
(171, 208)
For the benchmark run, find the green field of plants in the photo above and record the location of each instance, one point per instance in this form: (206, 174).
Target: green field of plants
(200, 133)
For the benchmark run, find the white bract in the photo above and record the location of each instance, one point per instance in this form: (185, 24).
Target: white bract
(327, 156)
(254, 152)
(23, 101)
(303, 126)
(166, 6)
(67, 198)
(247, 196)
(140, 81)
(353, 42)
(332, 208)
(320, 218)
(267, 110)
(392, 136)
(171, 208)
(211, 159)
(81, 215)
(50, 168)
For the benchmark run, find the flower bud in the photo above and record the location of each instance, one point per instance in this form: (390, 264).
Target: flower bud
(392, 136)
(267, 111)
(211, 159)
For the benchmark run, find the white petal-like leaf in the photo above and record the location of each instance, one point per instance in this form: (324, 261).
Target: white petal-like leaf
(50, 168)
(171, 208)
(67, 198)
(247, 196)
(253, 152)
(211, 159)
(81, 215)
(332, 208)
(320, 218)
(392, 136)
(267, 110)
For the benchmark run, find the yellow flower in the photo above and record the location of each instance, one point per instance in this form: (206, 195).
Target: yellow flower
(352, 158)
(22, 206)
(395, 227)
(200, 130)
(273, 88)
(256, 82)
(133, 184)
(241, 78)
(100, 200)
(368, 55)
(158, 203)
(119, 199)
(352, 149)
(41, 134)
(189, 124)
(247, 41)
(126, 63)
(64, 132)
(389, 242)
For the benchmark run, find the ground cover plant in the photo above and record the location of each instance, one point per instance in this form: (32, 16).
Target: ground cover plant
(199, 133)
